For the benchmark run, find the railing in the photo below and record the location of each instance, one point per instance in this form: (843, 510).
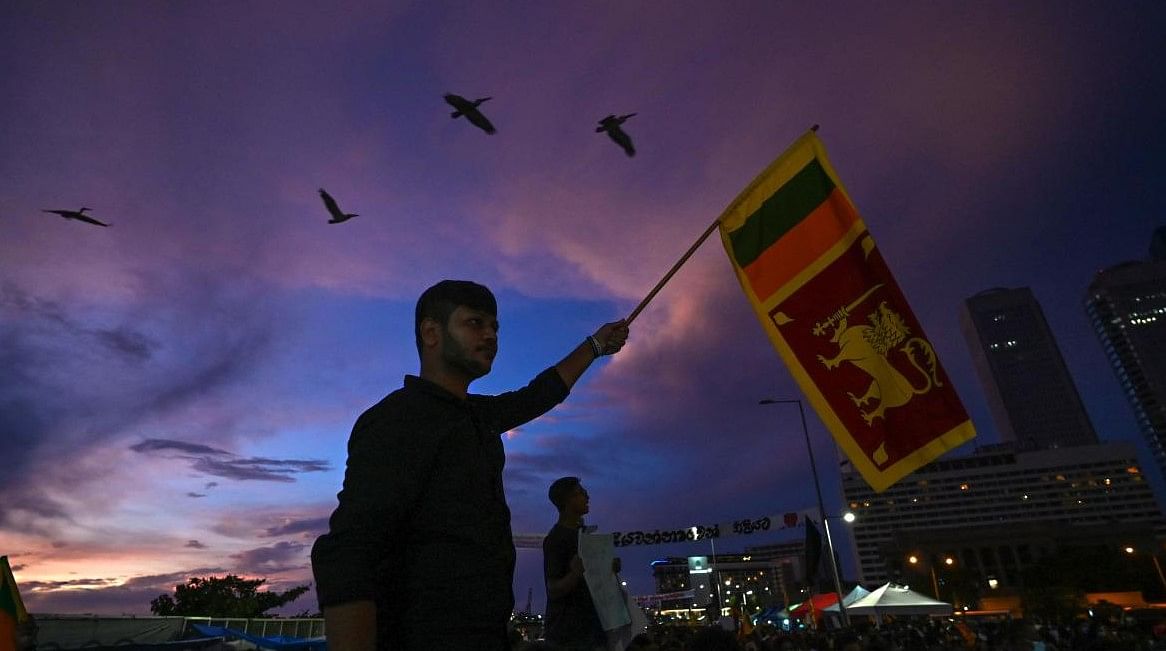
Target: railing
(288, 627)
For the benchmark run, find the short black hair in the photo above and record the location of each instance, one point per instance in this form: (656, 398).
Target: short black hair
(440, 300)
(560, 489)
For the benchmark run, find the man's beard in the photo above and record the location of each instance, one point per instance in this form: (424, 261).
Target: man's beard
(455, 356)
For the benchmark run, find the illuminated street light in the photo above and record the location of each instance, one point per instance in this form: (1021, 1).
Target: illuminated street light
(848, 517)
(993, 583)
(932, 559)
(1129, 550)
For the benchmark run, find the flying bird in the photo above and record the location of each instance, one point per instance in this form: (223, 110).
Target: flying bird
(77, 214)
(610, 124)
(334, 210)
(470, 110)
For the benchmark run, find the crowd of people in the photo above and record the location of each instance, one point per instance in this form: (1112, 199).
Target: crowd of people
(925, 635)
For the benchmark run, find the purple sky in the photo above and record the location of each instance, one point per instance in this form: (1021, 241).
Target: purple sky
(176, 390)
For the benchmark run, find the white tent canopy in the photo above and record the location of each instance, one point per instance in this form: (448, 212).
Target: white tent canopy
(857, 593)
(897, 600)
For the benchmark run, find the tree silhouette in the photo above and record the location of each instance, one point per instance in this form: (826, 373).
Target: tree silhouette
(228, 596)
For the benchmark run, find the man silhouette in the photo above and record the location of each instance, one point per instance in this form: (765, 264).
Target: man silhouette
(572, 621)
(419, 552)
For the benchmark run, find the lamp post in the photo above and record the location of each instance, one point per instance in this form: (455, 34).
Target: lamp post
(947, 560)
(821, 505)
(1154, 558)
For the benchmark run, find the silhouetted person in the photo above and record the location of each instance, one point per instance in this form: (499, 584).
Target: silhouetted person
(470, 110)
(419, 552)
(713, 638)
(334, 209)
(77, 214)
(611, 124)
(572, 622)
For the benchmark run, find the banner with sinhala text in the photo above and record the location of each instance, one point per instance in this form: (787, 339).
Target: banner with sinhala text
(831, 307)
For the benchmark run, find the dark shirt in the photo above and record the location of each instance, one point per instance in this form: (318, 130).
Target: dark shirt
(422, 528)
(571, 618)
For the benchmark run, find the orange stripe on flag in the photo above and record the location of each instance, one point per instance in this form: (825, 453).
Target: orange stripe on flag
(802, 245)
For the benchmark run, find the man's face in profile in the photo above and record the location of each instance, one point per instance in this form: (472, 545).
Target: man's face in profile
(469, 341)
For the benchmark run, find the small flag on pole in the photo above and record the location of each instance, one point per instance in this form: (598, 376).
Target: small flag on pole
(12, 612)
(813, 548)
(837, 317)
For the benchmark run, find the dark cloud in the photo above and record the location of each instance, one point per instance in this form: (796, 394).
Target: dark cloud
(26, 508)
(259, 469)
(279, 557)
(57, 585)
(193, 494)
(154, 445)
(311, 526)
(255, 468)
(132, 344)
(99, 597)
(122, 340)
(169, 580)
(54, 392)
(210, 484)
(194, 544)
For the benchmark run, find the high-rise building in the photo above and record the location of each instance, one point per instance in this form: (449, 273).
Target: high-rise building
(988, 498)
(1158, 244)
(1127, 307)
(762, 575)
(1033, 399)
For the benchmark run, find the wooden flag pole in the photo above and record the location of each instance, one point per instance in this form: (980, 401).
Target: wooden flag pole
(684, 258)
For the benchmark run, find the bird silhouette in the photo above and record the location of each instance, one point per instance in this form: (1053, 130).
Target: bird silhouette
(611, 124)
(470, 110)
(77, 214)
(334, 210)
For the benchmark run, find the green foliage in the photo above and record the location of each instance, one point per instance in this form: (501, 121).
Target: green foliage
(228, 596)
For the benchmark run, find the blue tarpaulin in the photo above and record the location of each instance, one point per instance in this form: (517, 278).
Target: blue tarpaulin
(276, 643)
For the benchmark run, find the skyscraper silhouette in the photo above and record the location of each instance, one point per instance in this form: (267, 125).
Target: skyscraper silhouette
(1033, 399)
(1126, 304)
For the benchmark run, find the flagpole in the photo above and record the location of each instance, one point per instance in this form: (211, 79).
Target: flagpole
(821, 509)
(684, 258)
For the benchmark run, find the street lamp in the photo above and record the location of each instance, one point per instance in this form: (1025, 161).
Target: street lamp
(821, 505)
(947, 560)
(1153, 558)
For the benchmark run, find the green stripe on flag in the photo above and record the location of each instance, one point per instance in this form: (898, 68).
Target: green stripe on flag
(7, 601)
(781, 212)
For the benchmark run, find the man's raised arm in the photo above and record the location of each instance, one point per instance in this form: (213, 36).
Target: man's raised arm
(608, 340)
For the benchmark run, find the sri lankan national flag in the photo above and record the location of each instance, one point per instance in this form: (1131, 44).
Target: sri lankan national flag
(12, 613)
(835, 314)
